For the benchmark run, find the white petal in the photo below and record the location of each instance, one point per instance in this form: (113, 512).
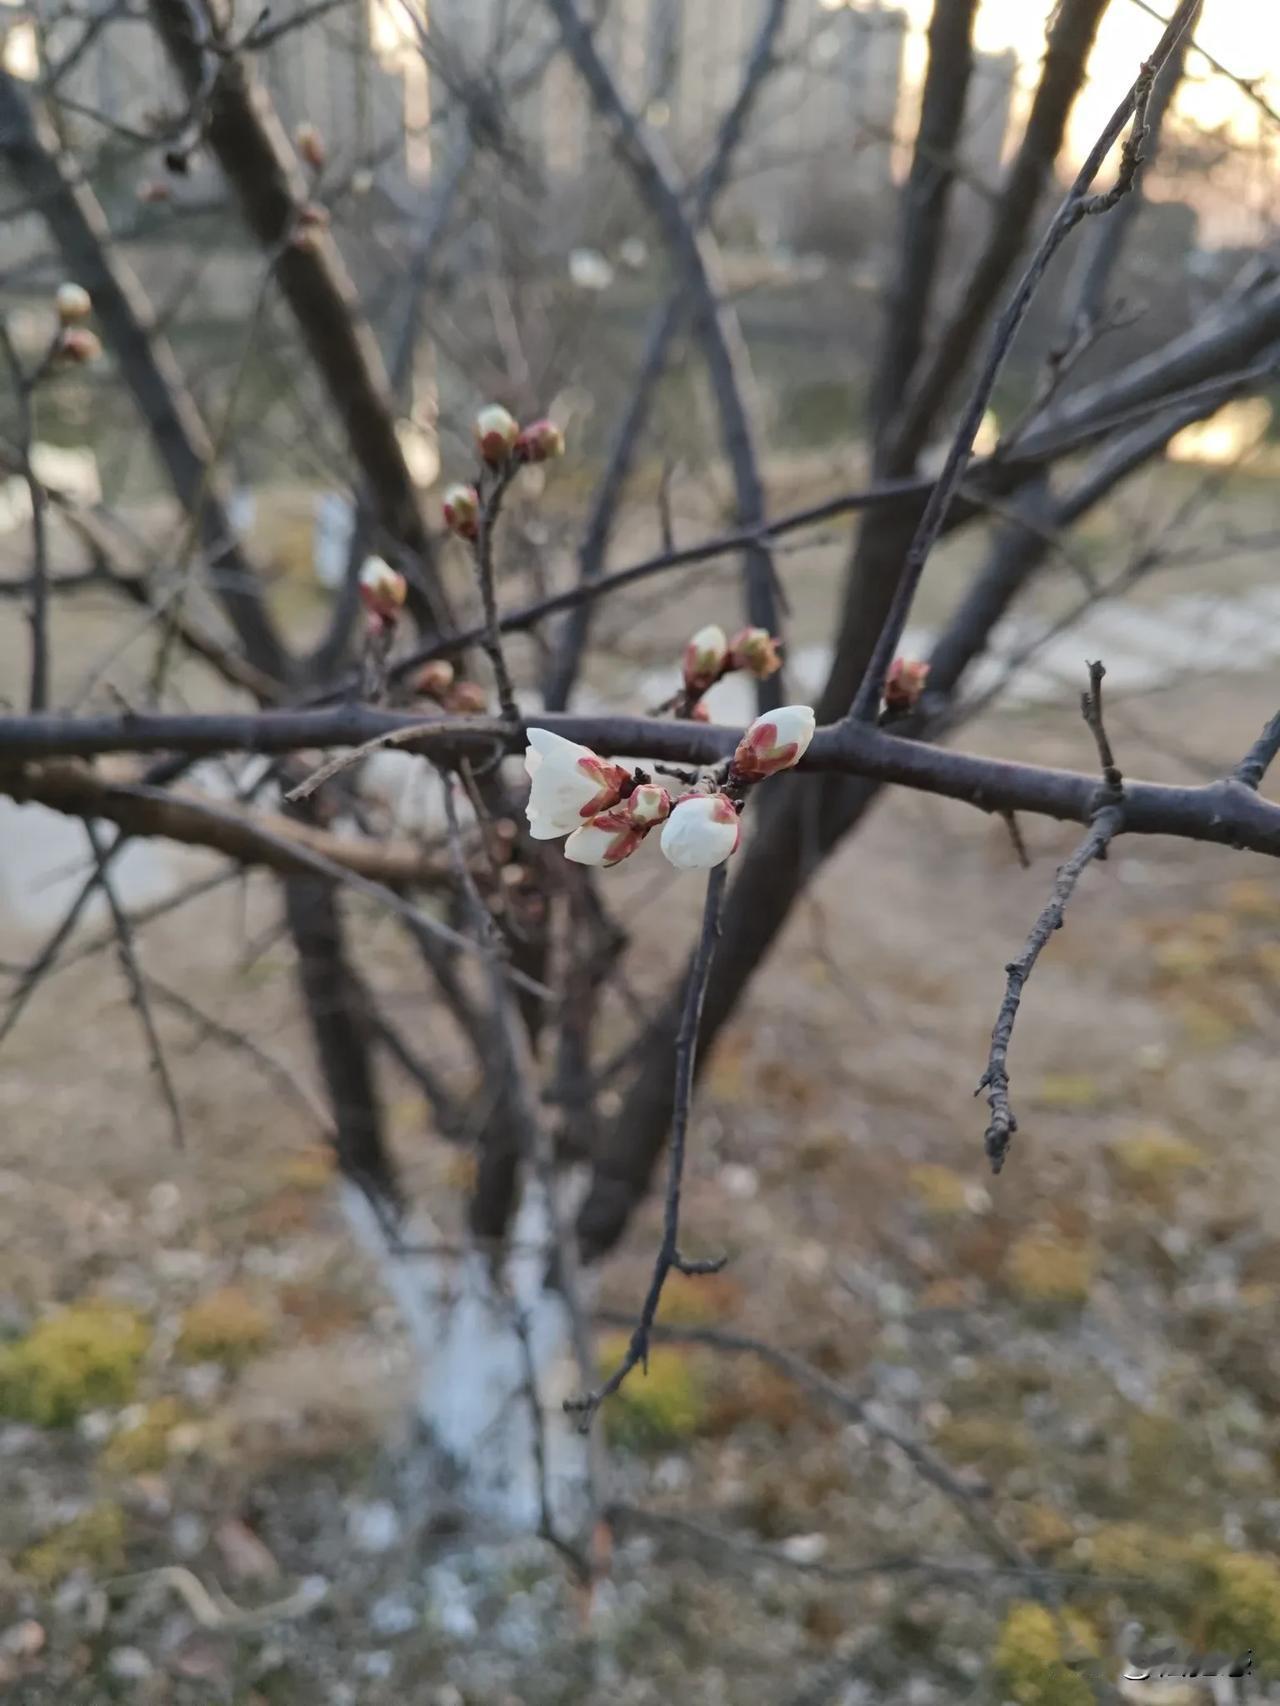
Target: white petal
(588, 845)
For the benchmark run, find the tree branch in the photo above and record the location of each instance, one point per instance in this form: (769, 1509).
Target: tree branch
(1108, 820)
(669, 1258)
(715, 323)
(1076, 205)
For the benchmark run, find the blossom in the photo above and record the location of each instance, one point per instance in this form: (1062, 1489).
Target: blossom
(540, 441)
(774, 742)
(382, 589)
(462, 510)
(704, 658)
(72, 302)
(606, 839)
(434, 679)
(310, 144)
(466, 699)
(568, 784)
(904, 683)
(703, 830)
(496, 434)
(756, 651)
(79, 345)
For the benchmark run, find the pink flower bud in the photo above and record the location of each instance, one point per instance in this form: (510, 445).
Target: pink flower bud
(540, 441)
(467, 699)
(756, 651)
(382, 589)
(648, 804)
(568, 784)
(310, 145)
(79, 345)
(73, 303)
(462, 510)
(434, 679)
(308, 228)
(607, 839)
(702, 831)
(904, 683)
(774, 742)
(704, 658)
(699, 713)
(496, 434)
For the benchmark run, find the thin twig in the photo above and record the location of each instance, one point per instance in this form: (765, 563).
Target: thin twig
(1256, 762)
(1075, 207)
(216, 1031)
(487, 521)
(1107, 821)
(136, 982)
(669, 1258)
(852, 1408)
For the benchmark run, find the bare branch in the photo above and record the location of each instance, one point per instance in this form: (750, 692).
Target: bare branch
(716, 326)
(250, 838)
(1107, 822)
(1076, 205)
(669, 1258)
(136, 983)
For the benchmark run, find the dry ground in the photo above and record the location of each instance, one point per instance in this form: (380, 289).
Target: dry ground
(1089, 1340)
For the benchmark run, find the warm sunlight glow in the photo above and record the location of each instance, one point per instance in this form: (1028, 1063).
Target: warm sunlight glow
(1243, 35)
(1225, 437)
(18, 51)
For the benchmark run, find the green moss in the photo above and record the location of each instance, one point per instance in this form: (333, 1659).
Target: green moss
(1046, 1271)
(667, 1406)
(145, 1445)
(942, 1193)
(93, 1541)
(84, 1358)
(1154, 1159)
(226, 1327)
(1032, 1653)
(1242, 1607)
(988, 1442)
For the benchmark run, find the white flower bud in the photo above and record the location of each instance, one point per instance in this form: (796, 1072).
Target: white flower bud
(704, 658)
(73, 303)
(774, 742)
(702, 831)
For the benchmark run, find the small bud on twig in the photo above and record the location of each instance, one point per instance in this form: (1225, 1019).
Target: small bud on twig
(308, 226)
(540, 441)
(310, 145)
(496, 433)
(467, 699)
(78, 345)
(774, 742)
(462, 510)
(382, 590)
(73, 303)
(756, 651)
(703, 830)
(704, 658)
(648, 804)
(434, 679)
(904, 684)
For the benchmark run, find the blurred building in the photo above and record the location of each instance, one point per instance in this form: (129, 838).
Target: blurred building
(328, 72)
(822, 158)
